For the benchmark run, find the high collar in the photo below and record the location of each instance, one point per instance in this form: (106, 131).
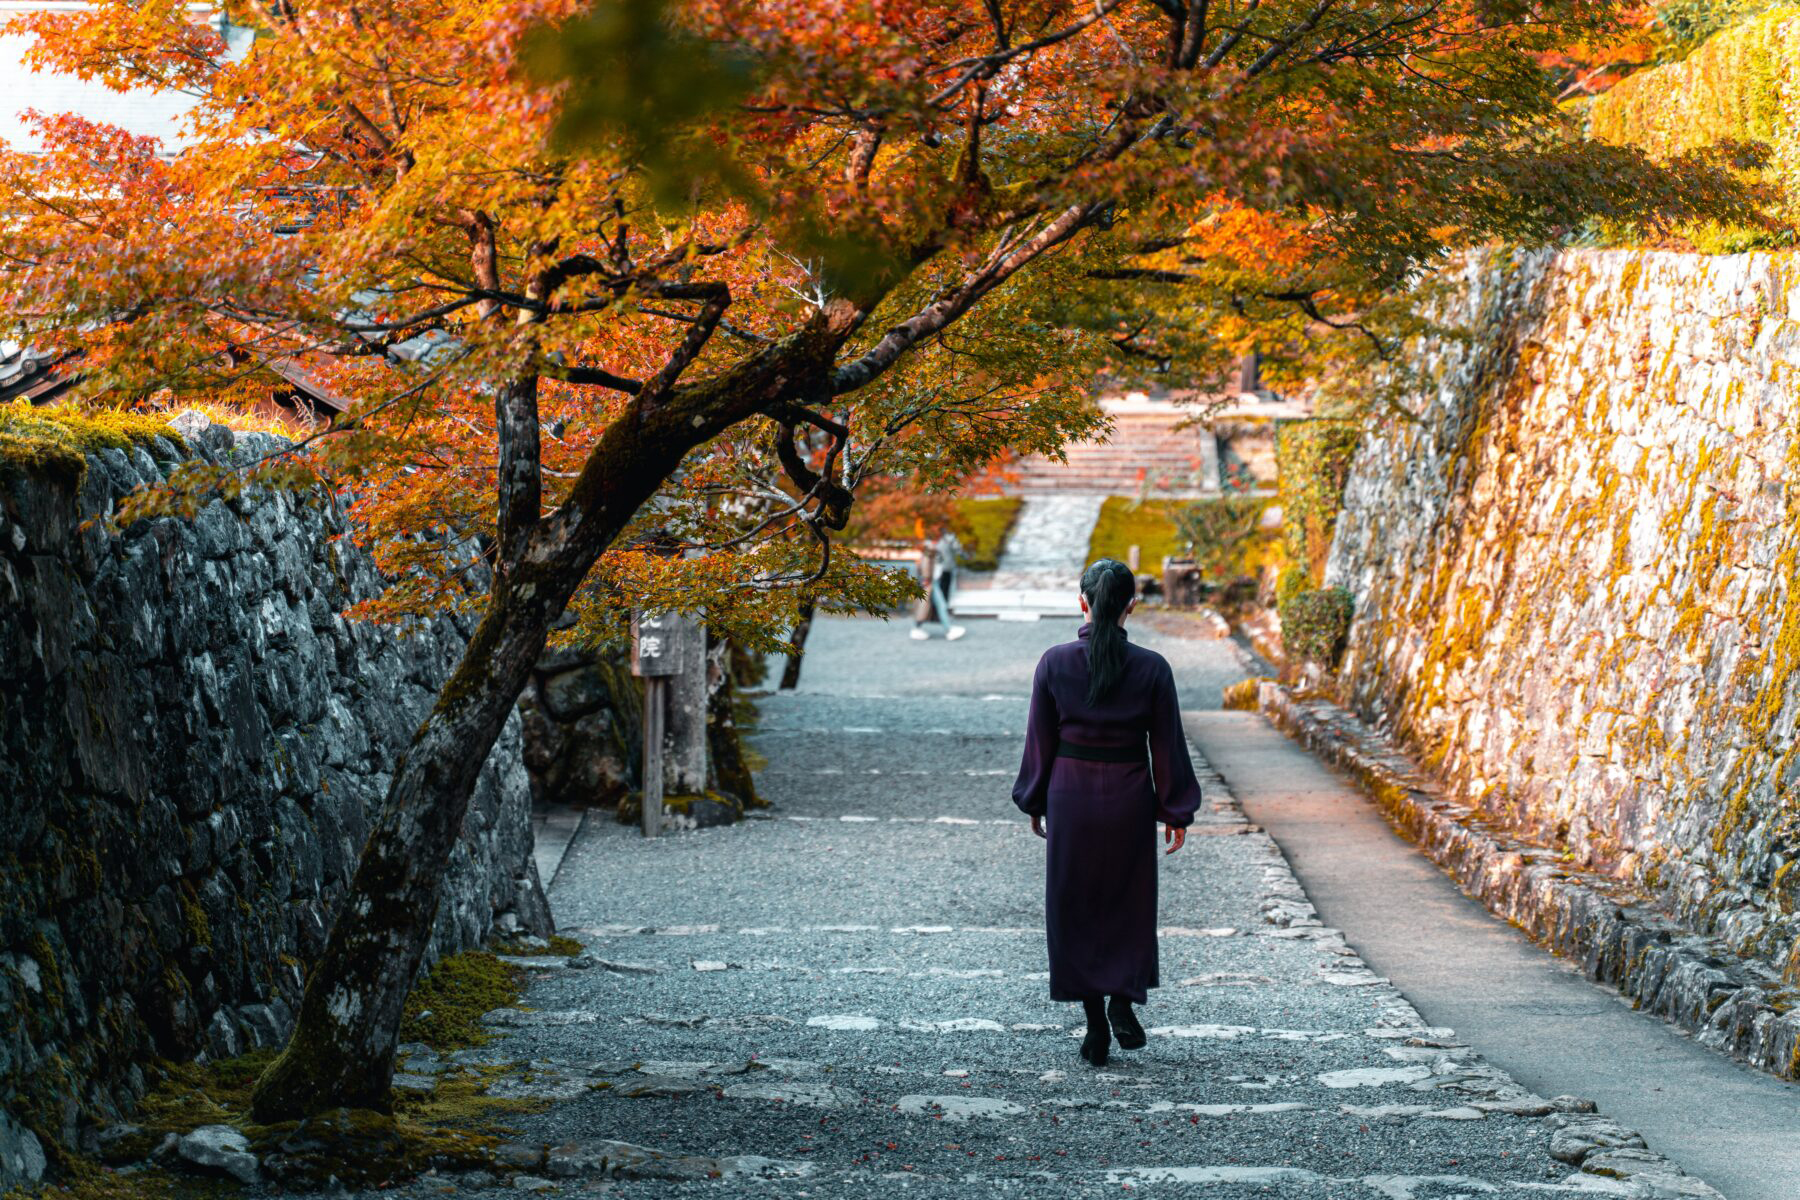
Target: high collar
(1088, 628)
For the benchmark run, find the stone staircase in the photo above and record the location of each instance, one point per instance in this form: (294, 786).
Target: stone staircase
(1147, 451)
(1041, 565)
(1152, 449)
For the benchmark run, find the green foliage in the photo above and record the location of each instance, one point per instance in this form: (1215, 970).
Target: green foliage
(982, 525)
(1292, 581)
(1314, 624)
(444, 1009)
(660, 82)
(1313, 458)
(1228, 539)
(56, 439)
(1150, 525)
(1736, 98)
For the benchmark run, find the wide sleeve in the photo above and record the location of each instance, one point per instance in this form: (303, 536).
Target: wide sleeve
(1031, 789)
(1177, 791)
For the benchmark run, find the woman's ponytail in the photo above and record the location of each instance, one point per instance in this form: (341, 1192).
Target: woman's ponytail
(1109, 586)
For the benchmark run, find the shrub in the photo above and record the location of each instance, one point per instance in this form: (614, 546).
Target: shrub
(1729, 90)
(1740, 89)
(1315, 623)
(1227, 536)
(1293, 581)
(1313, 458)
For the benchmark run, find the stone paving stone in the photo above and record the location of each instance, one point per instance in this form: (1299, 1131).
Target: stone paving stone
(849, 999)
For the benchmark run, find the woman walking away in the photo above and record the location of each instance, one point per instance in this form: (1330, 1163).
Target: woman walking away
(1105, 759)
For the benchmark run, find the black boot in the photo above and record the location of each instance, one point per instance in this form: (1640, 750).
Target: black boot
(1125, 1025)
(1099, 1039)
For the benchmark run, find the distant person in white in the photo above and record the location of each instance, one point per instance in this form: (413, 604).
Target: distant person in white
(940, 578)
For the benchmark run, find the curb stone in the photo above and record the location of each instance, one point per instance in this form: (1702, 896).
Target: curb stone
(1610, 1158)
(1614, 935)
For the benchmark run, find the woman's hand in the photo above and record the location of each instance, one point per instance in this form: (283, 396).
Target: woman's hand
(1174, 835)
(1037, 825)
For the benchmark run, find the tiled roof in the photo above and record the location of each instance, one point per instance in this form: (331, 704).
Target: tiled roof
(27, 374)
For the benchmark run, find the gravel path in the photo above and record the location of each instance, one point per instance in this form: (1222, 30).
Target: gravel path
(847, 998)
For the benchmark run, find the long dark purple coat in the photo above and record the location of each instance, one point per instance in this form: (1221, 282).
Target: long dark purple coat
(1100, 895)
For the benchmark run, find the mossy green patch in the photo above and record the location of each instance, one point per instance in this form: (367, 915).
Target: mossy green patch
(361, 1148)
(444, 1009)
(981, 526)
(56, 439)
(189, 1095)
(49, 972)
(199, 927)
(557, 945)
(1150, 525)
(80, 1179)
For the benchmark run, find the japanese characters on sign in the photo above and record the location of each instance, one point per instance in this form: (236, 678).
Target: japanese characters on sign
(656, 643)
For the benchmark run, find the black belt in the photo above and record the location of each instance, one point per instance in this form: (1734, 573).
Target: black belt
(1111, 754)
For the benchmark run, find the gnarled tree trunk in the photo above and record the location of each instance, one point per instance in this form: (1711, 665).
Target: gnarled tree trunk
(342, 1051)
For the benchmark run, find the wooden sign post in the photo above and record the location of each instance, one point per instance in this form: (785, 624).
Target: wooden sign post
(657, 645)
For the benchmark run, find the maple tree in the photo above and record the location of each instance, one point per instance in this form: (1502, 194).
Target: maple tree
(604, 282)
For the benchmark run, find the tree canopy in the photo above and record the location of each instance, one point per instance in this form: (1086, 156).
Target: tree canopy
(427, 206)
(602, 282)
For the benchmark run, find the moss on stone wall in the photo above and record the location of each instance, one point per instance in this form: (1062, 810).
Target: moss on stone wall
(1583, 575)
(56, 439)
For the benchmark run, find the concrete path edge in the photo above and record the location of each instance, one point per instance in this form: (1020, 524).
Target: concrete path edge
(1660, 966)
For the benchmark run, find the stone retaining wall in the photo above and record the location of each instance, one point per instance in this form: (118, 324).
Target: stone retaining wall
(1595, 920)
(192, 743)
(1577, 575)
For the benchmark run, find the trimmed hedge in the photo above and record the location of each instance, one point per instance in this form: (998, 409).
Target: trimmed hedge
(1740, 88)
(1741, 85)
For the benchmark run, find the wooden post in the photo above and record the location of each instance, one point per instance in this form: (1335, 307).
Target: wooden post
(655, 703)
(1211, 479)
(655, 656)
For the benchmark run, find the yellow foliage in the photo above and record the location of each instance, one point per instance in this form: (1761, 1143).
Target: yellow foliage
(1738, 87)
(239, 419)
(1741, 87)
